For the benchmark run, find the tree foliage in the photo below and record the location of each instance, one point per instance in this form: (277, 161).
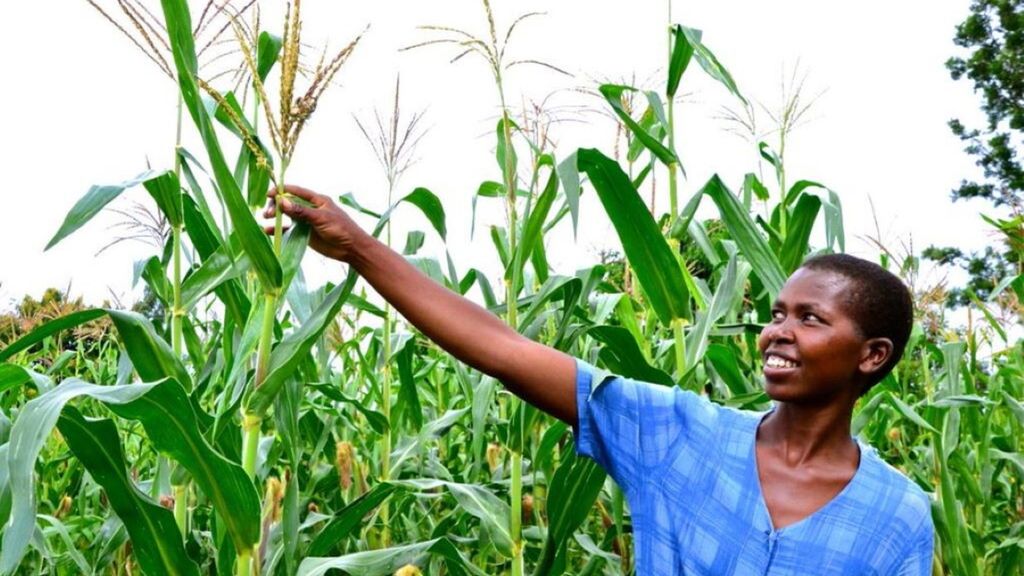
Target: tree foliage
(993, 35)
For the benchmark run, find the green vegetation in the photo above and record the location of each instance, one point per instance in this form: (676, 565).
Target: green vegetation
(249, 423)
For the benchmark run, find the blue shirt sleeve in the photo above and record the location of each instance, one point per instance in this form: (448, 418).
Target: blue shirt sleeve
(918, 561)
(630, 427)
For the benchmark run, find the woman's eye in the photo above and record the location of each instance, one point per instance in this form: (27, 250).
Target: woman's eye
(811, 318)
(777, 315)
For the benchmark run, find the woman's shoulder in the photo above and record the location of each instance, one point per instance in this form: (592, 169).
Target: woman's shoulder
(893, 491)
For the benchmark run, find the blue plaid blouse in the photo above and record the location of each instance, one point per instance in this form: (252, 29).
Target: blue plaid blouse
(688, 471)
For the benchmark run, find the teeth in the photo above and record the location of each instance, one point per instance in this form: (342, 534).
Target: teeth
(779, 362)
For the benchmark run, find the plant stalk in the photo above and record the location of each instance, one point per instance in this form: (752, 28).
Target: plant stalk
(673, 193)
(252, 422)
(516, 519)
(680, 347)
(511, 285)
(180, 492)
(385, 397)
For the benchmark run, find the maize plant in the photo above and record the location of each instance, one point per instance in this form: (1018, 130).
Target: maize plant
(249, 423)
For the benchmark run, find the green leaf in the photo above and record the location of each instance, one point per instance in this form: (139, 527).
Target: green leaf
(796, 190)
(293, 249)
(152, 270)
(152, 357)
(622, 355)
(166, 192)
(349, 518)
(709, 62)
(170, 422)
(286, 356)
(727, 366)
(503, 149)
(253, 239)
(866, 412)
(432, 208)
(653, 262)
(909, 413)
(49, 329)
(1015, 406)
(573, 490)
(13, 376)
(413, 242)
(156, 540)
(613, 94)
(741, 228)
(752, 187)
(375, 419)
(267, 49)
(215, 270)
(729, 287)
(408, 398)
(682, 53)
(798, 233)
(389, 560)
(533, 232)
(492, 512)
(569, 174)
(90, 205)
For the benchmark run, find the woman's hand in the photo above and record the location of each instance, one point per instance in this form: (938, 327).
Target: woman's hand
(333, 233)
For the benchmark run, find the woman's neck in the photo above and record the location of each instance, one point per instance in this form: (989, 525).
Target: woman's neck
(801, 433)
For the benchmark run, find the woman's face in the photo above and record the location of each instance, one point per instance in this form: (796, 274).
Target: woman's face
(813, 351)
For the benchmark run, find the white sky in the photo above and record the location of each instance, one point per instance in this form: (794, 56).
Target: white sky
(82, 106)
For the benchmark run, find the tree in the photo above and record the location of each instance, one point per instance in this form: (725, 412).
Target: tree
(993, 36)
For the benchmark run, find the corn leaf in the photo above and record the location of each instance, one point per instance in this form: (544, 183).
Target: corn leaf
(492, 512)
(613, 95)
(49, 329)
(741, 227)
(389, 560)
(655, 266)
(709, 62)
(156, 540)
(166, 192)
(909, 413)
(682, 53)
(90, 205)
(623, 356)
(533, 231)
(171, 424)
(569, 175)
(730, 285)
(219, 268)
(349, 518)
(287, 355)
(152, 357)
(573, 490)
(432, 208)
(798, 233)
(253, 239)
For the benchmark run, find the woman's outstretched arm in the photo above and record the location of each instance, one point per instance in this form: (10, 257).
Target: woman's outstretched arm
(541, 375)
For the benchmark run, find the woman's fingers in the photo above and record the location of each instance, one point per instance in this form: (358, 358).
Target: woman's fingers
(306, 194)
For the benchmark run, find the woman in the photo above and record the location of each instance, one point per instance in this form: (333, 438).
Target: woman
(711, 490)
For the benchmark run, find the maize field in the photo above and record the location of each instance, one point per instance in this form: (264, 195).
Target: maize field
(247, 422)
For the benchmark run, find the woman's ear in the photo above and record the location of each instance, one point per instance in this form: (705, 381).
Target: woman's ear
(876, 352)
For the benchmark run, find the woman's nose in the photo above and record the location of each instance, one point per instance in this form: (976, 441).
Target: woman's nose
(778, 331)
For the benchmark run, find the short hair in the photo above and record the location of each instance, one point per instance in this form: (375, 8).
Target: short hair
(878, 302)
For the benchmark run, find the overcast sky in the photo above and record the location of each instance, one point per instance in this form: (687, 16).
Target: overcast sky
(81, 106)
